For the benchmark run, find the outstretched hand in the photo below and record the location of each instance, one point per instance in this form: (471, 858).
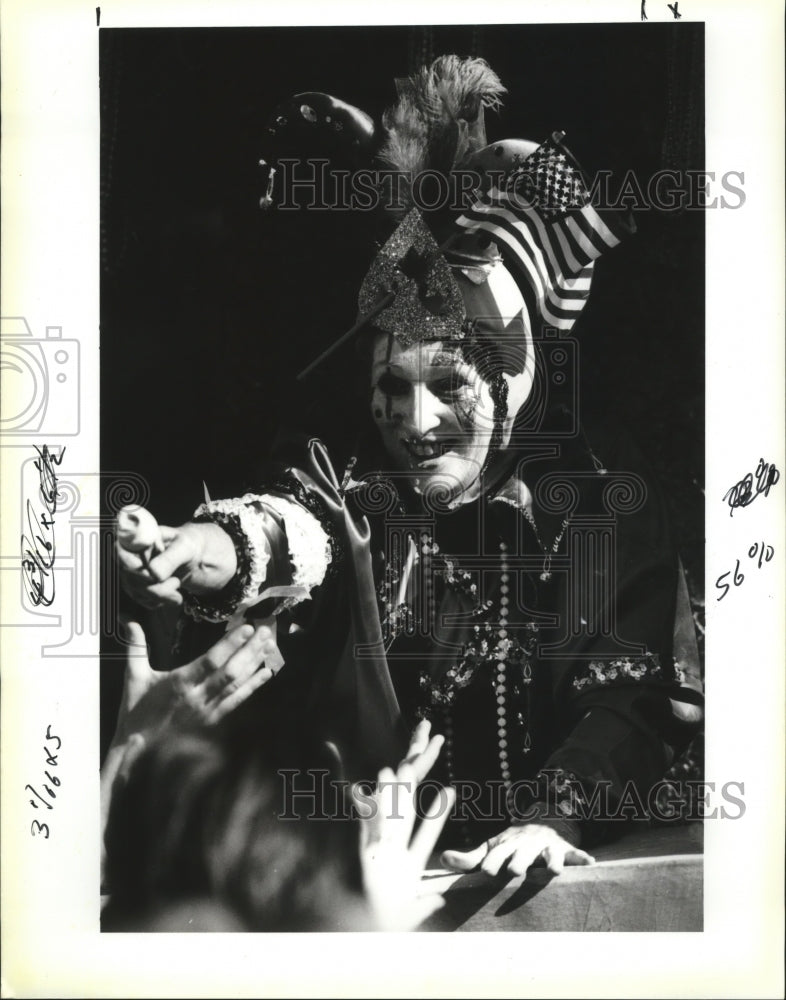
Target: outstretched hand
(423, 750)
(393, 853)
(204, 690)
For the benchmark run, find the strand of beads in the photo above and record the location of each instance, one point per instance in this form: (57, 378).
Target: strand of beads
(428, 549)
(448, 762)
(447, 749)
(545, 574)
(500, 687)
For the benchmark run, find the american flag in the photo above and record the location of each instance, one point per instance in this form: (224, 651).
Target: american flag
(541, 217)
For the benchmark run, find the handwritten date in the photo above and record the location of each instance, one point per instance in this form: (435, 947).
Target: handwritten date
(38, 829)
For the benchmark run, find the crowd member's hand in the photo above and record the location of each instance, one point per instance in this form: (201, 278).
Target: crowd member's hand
(204, 690)
(423, 750)
(199, 558)
(393, 857)
(516, 849)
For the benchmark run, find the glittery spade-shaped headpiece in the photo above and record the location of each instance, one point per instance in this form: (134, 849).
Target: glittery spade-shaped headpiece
(410, 270)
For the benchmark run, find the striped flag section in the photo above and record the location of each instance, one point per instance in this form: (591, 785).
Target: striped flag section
(541, 218)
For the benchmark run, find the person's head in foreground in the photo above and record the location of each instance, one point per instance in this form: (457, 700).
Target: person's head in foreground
(208, 834)
(196, 838)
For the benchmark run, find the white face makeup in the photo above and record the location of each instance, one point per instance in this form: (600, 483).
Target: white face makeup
(435, 411)
(435, 415)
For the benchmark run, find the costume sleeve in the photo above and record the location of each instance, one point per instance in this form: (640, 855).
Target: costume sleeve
(623, 714)
(279, 545)
(335, 685)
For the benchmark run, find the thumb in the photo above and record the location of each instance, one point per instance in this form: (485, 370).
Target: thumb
(463, 861)
(134, 635)
(137, 662)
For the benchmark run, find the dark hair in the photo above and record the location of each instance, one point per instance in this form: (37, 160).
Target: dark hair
(200, 819)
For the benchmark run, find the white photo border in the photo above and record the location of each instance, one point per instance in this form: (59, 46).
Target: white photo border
(50, 272)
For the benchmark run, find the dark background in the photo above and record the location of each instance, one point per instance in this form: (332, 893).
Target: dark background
(210, 306)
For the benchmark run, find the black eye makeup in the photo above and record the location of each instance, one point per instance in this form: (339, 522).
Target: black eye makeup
(449, 386)
(392, 385)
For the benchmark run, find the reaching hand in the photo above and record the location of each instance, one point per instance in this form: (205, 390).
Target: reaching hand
(519, 847)
(204, 690)
(392, 857)
(422, 751)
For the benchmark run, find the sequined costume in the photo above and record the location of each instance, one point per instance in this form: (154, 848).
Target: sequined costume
(544, 652)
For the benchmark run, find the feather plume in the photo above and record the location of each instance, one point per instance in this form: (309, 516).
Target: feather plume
(437, 121)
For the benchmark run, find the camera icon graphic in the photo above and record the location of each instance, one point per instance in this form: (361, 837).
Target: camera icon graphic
(40, 378)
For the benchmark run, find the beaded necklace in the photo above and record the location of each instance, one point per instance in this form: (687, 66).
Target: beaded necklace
(509, 660)
(545, 573)
(500, 688)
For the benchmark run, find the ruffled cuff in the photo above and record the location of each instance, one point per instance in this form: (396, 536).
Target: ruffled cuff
(243, 525)
(261, 527)
(309, 546)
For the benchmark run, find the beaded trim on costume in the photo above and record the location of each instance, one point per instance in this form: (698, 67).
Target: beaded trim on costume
(486, 649)
(564, 791)
(635, 668)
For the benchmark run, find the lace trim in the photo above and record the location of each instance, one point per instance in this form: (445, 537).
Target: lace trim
(294, 491)
(243, 519)
(309, 545)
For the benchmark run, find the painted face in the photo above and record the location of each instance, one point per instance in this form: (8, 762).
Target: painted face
(435, 415)
(434, 410)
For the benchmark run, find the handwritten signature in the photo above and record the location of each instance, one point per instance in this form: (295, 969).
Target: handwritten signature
(37, 828)
(743, 493)
(38, 545)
